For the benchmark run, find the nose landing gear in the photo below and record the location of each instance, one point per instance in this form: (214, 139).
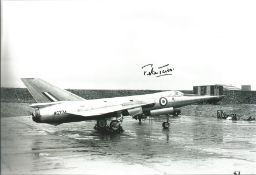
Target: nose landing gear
(166, 124)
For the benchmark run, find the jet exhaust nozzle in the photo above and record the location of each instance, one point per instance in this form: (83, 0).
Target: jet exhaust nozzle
(36, 116)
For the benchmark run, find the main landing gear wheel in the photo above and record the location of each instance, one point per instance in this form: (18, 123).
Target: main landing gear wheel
(101, 125)
(166, 125)
(115, 126)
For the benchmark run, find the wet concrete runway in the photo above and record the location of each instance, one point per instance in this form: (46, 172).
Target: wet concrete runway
(193, 145)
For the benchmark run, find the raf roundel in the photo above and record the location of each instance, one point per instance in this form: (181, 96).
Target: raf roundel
(163, 101)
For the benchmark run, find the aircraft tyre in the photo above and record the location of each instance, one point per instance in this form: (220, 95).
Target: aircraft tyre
(166, 125)
(115, 126)
(100, 125)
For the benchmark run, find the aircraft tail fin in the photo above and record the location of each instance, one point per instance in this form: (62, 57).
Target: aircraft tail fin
(44, 92)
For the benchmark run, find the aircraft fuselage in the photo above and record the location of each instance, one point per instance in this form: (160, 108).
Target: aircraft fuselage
(161, 103)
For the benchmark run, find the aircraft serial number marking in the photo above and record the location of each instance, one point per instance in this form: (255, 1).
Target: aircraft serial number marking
(59, 112)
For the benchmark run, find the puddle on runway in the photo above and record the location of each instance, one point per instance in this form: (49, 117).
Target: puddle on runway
(202, 145)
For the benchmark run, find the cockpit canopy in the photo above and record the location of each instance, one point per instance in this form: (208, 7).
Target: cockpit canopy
(171, 93)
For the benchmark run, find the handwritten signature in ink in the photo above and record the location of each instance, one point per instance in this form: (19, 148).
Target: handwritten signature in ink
(150, 70)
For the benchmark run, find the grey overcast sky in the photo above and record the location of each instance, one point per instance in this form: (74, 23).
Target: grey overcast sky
(98, 44)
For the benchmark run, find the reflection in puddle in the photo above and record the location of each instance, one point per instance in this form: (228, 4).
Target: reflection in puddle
(190, 142)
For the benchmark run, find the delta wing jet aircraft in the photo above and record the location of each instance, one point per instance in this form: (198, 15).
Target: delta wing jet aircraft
(56, 106)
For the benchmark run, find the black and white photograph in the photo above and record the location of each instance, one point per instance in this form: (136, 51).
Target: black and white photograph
(149, 87)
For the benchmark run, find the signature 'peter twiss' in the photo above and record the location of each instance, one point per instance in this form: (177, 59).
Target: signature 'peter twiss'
(151, 70)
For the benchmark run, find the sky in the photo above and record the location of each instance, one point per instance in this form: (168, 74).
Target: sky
(103, 44)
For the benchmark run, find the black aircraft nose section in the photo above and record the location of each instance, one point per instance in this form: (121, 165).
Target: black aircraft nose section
(36, 119)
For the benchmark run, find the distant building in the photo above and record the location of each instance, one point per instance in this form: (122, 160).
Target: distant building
(246, 87)
(216, 89)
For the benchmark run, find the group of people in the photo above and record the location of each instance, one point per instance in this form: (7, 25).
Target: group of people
(233, 116)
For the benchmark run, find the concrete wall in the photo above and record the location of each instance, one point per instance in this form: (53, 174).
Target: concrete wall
(208, 90)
